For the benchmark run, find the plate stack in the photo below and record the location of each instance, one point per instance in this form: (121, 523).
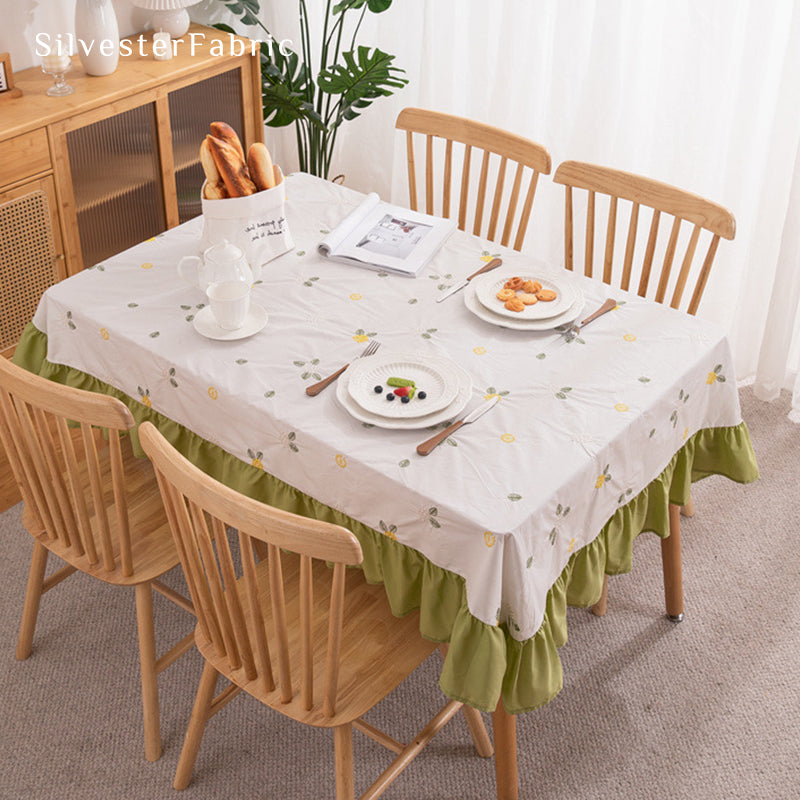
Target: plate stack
(480, 297)
(445, 385)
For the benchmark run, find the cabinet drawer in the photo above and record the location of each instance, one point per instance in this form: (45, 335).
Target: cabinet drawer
(24, 155)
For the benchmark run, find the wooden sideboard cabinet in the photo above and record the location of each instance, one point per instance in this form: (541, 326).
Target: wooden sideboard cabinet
(87, 175)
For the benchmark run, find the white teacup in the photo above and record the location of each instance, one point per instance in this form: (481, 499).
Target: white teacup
(230, 303)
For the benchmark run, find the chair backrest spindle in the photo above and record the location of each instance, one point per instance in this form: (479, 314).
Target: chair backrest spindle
(68, 480)
(493, 142)
(661, 198)
(258, 619)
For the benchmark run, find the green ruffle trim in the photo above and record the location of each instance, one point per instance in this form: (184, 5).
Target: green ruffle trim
(484, 660)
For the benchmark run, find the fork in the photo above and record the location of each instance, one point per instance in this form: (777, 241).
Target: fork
(316, 388)
(609, 304)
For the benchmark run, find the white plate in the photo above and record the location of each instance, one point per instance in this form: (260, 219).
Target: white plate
(487, 286)
(437, 377)
(415, 423)
(480, 311)
(205, 324)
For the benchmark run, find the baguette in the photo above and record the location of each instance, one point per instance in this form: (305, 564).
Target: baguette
(215, 191)
(231, 168)
(224, 131)
(214, 188)
(259, 162)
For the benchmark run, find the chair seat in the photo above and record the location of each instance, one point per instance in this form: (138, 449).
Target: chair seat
(152, 546)
(378, 650)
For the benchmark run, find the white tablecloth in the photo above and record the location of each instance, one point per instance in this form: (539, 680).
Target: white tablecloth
(582, 426)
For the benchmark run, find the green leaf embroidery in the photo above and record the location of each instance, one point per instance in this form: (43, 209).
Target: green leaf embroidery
(404, 463)
(241, 361)
(270, 393)
(514, 497)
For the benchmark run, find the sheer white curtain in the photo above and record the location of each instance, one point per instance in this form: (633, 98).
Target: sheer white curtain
(703, 94)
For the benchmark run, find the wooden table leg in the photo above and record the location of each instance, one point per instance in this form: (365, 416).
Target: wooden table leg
(505, 753)
(671, 561)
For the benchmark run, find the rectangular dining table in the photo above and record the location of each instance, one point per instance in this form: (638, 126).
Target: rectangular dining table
(506, 522)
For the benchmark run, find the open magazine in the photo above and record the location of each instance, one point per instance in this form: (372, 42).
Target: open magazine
(380, 236)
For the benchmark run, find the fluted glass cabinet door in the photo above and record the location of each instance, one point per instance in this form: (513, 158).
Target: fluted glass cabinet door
(191, 110)
(116, 182)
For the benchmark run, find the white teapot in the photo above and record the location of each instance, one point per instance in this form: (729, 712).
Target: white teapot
(223, 261)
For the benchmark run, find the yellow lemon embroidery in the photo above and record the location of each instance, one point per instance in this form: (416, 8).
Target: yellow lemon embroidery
(104, 333)
(489, 538)
(712, 376)
(256, 462)
(391, 534)
(629, 337)
(151, 239)
(479, 351)
(355, 296)
(361, 337)
(213, 393)
(490, 396)
(601, 479)
(685, 433)
(147, 265)
(571, 544)
(146, 401)
(341, 461)
(621, 407)
(508, 437)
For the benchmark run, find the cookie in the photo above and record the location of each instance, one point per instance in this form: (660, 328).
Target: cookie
(531, 287)
(513, 283)
(546, 295)
(515, 304)
(527, 298)
(506, 294)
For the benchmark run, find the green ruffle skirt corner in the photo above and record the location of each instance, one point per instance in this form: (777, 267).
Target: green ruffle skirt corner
(484, 661)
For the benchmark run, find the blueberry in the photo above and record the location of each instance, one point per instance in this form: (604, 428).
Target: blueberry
(378, 389)
(390, 396)
(405, 399)
(421, 395)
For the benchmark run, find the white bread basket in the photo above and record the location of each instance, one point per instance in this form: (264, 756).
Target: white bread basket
(255, 223)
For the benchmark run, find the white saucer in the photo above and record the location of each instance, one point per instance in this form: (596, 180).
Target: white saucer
(414, 423)
(205, 324)
(438, 377)
(487, 286)
(479, 310)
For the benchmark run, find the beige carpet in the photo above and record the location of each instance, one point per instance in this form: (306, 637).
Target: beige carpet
(707, 709)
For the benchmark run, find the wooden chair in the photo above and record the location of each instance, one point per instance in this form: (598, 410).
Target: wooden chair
(682, 206)
(92, 504)
(661, 198)
(298, 631)
(529, 157)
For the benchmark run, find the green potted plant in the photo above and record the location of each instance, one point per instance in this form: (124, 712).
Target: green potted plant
(318, 90)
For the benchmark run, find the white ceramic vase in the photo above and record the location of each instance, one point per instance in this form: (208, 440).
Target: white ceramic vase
(97, 35)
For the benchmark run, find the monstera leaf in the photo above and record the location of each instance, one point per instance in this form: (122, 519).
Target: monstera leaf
(364, 76)
(286, 88)
(375, 6)
(246, 10)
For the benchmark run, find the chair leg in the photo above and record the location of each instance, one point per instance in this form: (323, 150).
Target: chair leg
(601, 606)
(480, 736)
(688, 509)
(33, 594)
(343, 741)
(147, 658)
(197, 725)
(671, 561)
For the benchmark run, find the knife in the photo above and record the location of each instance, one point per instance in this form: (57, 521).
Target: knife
(495, 262)
(425, 448)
